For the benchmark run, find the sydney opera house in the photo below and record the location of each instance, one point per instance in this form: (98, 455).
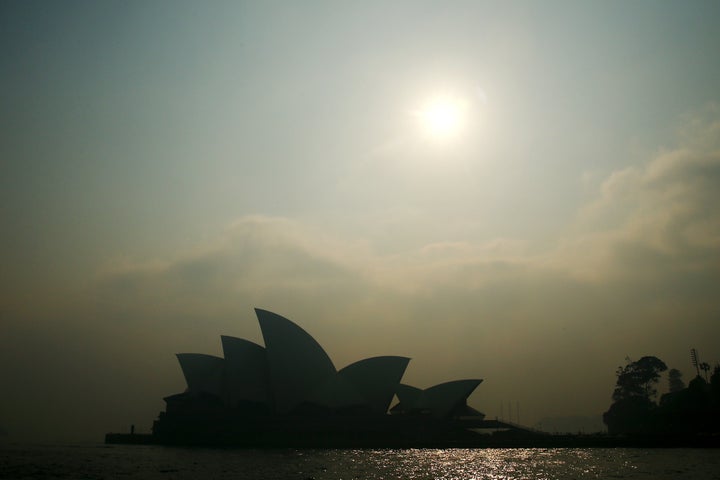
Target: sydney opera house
(289, 392)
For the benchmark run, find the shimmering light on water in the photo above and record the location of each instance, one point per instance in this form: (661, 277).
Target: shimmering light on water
(150, 462)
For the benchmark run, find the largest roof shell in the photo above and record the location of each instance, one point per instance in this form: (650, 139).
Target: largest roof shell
(297, 364)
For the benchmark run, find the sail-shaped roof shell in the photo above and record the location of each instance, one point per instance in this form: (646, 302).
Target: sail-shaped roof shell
(443, 398)
(246, 371)
(297, 364)
(439, 400)
(410, 397)
(376, 379)
(203, 373)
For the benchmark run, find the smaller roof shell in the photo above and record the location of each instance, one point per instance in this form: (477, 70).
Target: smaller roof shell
(410, 397)
(246, 371)
(439, 399)
(203, 373)
(376, 379)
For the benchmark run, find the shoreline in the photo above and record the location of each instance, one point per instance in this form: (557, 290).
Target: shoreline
(332, 441)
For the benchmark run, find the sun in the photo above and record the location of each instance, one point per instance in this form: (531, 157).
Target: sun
(443, 116)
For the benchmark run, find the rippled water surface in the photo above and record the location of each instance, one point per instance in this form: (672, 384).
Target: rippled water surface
(153, 462)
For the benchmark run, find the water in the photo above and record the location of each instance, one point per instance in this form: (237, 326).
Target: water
(154, 462)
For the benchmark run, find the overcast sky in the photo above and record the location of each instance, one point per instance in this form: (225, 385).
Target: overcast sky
(166, 166)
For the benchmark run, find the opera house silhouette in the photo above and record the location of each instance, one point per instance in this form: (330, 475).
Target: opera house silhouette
(289, 393)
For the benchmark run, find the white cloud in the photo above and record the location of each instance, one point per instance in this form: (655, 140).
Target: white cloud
(670, 206)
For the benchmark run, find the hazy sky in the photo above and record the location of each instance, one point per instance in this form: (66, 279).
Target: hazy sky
(166, 166)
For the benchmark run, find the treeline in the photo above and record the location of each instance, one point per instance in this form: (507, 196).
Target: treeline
(694, 409)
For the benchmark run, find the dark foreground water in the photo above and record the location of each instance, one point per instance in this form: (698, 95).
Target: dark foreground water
(154, 462)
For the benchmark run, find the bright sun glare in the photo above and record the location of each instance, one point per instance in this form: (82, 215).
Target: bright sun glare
(443, 116)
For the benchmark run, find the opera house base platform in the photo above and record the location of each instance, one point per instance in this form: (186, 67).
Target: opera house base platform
(318, 435)
(330, 431)
(311, 433)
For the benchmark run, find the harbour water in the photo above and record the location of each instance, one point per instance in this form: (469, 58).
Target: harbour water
(156, 462)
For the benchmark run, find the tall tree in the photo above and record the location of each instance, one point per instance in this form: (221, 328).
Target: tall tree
(638, 379)
(633, 398)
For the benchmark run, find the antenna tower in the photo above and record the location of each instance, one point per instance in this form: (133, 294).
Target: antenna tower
(694, 358)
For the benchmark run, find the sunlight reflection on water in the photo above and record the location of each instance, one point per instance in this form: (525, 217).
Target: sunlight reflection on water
(501, 464)
(152, 462)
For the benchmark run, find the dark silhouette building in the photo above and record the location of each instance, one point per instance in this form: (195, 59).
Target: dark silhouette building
(289, 391)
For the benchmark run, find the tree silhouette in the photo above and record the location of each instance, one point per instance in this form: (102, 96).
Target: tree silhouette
(675, 382)
(633, 398)
(705, 367)
(638, 379)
